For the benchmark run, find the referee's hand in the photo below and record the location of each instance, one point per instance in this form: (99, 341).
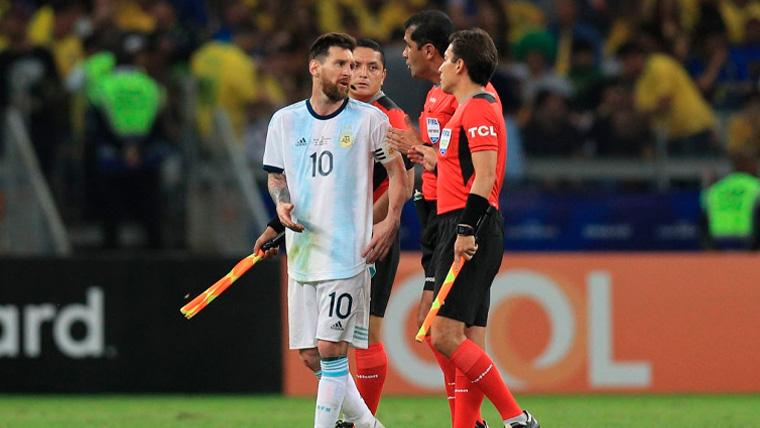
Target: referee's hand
(403, 139)
(465, 246)
(382, 240)
(268, 234)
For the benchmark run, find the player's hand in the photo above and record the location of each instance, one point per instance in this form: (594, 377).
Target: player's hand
(465, 246)
(383, 234)
(403, 139)
(284, 211)
(268, 234)
(423, 155)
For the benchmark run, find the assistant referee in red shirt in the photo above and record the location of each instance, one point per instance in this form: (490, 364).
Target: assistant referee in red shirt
(471, 161)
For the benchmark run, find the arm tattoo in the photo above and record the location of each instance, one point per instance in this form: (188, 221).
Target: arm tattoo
(278, 188)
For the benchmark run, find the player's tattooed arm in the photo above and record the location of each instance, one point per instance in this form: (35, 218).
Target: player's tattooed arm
(278, 190)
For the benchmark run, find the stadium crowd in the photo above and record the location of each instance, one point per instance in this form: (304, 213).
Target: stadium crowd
(578, 78)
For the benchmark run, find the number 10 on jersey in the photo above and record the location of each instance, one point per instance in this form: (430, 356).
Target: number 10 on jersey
(321, 163)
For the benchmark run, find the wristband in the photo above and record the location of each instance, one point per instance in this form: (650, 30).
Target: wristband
(465, 230)
(276, 225)
(476, 208)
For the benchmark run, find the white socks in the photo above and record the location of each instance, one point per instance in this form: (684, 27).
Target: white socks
(331, 391)
(355, 409)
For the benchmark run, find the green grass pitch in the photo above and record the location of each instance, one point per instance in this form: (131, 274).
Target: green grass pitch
(257, 411)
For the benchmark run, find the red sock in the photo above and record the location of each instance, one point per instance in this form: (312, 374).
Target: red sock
(468, 400)
(371, 368)
(449, 375)
(478, 367)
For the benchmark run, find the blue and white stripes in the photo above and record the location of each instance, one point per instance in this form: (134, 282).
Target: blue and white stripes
(334, 367)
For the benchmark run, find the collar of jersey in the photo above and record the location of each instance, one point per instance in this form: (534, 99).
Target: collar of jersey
(329, 116)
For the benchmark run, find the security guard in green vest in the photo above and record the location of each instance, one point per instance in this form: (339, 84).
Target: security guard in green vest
(122, 126)
(731, 208)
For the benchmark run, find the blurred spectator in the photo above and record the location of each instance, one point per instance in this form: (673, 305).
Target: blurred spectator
(194, 13)
(536, 52)
(744, 60)
(492, 18)
(135, 16)
(29, 82)
(375, 19)
(584, 75)
(550, 132)
(122, 129)
(54, 26)
(668, 97)
(523, 17)
(707, 63)
(744, 127)
(731, 207)
(568, 29)
(665, 20)
(227, 77)
(235, 14)
(735, 15)
(618, 130)
(172, 39)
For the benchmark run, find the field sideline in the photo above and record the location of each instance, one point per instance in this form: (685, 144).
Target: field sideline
(270, 411)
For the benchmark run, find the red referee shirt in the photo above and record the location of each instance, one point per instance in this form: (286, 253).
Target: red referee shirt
(477, 125)
(396, 118)
(438, 109)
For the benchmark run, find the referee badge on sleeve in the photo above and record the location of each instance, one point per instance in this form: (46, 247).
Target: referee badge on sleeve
(433, 129)
(445, 140)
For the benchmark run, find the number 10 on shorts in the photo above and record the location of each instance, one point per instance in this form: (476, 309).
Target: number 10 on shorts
(340, 306)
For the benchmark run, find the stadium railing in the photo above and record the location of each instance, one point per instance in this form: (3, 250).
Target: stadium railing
(30, 222)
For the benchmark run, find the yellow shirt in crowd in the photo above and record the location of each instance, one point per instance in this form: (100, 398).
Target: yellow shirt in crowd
(130, 16)
(664, 77)
(375, 25)
(743, 135)
(67, 51)
(226, 78)
(736, 17)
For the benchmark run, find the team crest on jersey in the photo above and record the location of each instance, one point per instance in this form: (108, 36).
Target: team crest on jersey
(445, 140)
(345, 137)
(433, 129)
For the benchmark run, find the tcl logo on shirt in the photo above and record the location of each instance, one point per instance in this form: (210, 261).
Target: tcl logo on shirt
(483, 131)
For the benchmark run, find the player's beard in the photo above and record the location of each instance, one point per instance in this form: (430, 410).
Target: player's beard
(334, 92)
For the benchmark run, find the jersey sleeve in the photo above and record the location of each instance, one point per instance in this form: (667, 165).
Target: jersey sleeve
(273, 160)
(396, 118)
(481, 125)
(381, 151)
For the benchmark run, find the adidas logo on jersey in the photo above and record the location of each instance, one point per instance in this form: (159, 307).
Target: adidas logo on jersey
(301, 142)
(337, 326)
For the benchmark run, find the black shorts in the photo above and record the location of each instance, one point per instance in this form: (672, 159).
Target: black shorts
(382, 282)
(426, 210)
(470, 297)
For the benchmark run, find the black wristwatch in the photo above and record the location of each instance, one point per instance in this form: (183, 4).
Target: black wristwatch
(465, 230)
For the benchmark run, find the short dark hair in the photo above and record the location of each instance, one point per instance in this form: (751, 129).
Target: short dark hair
(371, 44)
(476, 48)
(431, 26)
(322, 45)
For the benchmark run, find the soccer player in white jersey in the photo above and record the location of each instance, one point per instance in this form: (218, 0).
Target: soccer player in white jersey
(319, 155)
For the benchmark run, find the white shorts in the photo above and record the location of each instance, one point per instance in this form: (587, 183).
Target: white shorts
(335, 311)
